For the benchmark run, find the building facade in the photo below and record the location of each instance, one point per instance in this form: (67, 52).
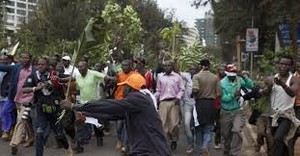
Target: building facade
(16, 12)
(207, 34)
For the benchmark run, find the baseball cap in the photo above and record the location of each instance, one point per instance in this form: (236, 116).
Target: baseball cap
(136, 81)
(231, 70)
(67, 58)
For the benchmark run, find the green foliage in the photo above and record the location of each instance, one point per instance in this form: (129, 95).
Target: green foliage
(284, 52)
(172, 39)
(123, 28)
(232, 18)
(190, 55)
(170, 33)
(127, 24)
(53, 21)
(267, 64)
(3, 43)
(60, 47)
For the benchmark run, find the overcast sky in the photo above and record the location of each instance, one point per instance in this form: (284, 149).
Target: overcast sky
(184, 10)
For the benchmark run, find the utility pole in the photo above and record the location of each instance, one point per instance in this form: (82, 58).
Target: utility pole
(239, 41)
(251, 52)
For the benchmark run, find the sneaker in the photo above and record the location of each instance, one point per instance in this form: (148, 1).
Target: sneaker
(62, 141)
(78, 149)
(189, 150)
(119, 145)
(173, 145)
(123, 149)
(217, 146)
(14, 150)
(5, 136)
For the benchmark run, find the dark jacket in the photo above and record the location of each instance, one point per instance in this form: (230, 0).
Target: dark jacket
(144, 127)
(5, 85)
(15, 71)
(56, 95)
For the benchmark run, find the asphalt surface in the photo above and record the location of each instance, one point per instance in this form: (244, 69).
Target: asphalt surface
(108, 149)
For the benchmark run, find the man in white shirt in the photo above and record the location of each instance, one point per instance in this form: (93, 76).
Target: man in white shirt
(68, 67)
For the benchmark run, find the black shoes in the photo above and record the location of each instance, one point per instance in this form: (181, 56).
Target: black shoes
(78, 149)
(173, 145)
(99, 141)
(62, 141)
(14, 150)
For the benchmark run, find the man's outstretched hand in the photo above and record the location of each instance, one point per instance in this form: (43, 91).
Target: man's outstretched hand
(66, 104)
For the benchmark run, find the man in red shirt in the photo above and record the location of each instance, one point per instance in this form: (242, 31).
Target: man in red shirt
(140, 67)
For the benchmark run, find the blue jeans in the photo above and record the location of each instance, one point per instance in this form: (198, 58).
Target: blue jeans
(188, 123)
(43, 121)
(122, 132)
(7, 115)
(204, 135)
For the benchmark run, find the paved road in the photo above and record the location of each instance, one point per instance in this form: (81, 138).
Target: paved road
(249, 135)
(109, 144)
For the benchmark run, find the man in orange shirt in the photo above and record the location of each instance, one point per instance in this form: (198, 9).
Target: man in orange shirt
(127, 70)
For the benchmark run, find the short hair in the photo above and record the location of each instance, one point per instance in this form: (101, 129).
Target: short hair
(27, 53)
(205, 62)
(84, 61)
(127, 61)
(45, 58)
(289, 58)
(169, 61)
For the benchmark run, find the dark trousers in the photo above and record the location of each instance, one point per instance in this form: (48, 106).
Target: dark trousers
(297, 134)
(43, 121)
(83, 133)
(98, 132)
(279, 148)
(217, 129)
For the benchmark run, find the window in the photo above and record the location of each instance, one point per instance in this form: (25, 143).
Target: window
(21, 5)
(30, 13)
(21, 12)
(8, 23)
(21, 19)
(32, 1)
(10, 10)
(31, 7)
(10, 17)
(10, 3)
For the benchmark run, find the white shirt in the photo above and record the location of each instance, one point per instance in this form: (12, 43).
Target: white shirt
(280, 100)
(68, 71)
(187, 78)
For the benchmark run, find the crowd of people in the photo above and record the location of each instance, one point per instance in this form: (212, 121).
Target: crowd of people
(147, 106)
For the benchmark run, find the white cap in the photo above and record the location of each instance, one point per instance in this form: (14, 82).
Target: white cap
(230, 73)
(67, 58)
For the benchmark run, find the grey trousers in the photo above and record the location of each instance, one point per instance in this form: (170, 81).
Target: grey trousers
(232, 124)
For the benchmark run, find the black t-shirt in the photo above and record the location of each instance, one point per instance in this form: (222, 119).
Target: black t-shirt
(49, 95)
